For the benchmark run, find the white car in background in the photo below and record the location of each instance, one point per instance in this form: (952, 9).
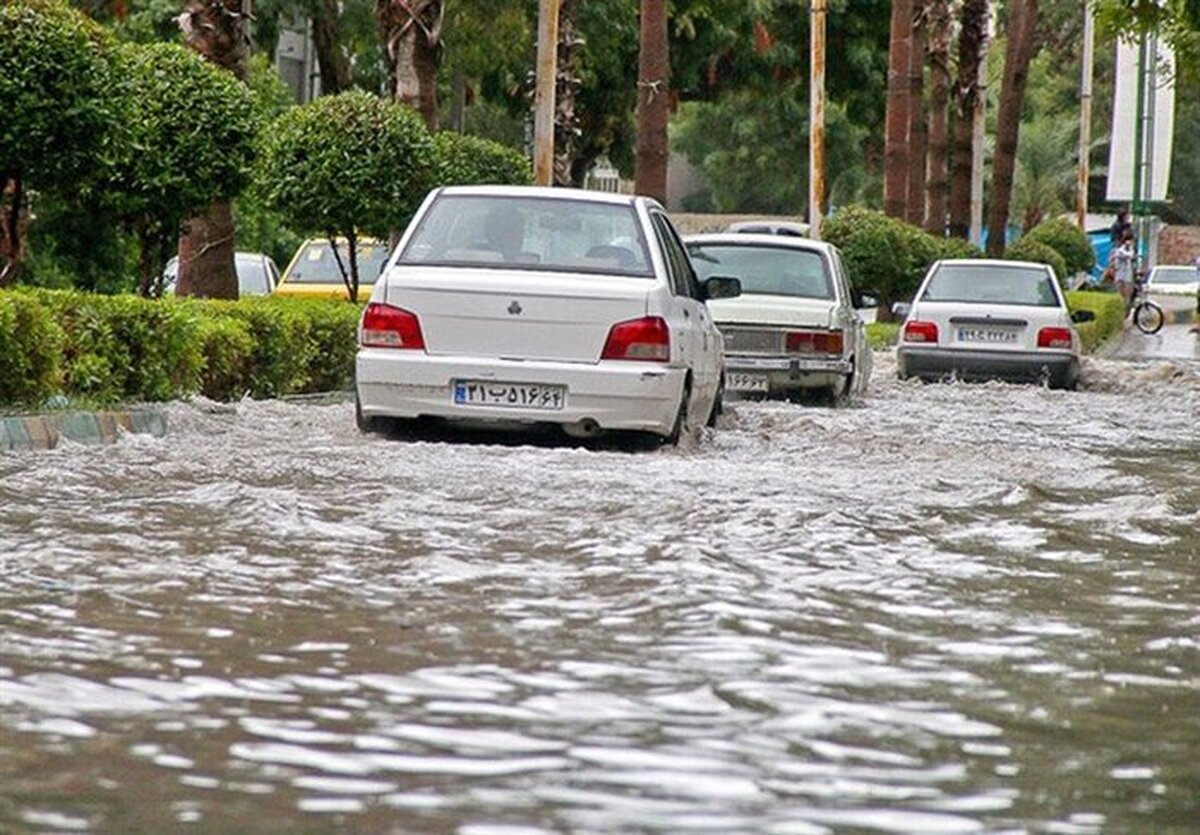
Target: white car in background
(795, 329)
(981, 319)
(521, 306)
(1174, 280)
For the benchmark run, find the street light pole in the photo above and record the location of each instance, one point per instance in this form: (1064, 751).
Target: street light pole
(816, 118)
(1085, 114)
(543, 101)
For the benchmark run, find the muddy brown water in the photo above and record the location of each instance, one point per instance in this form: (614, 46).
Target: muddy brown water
(949, 608)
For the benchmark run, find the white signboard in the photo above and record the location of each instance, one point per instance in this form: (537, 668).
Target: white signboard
(1158, 123)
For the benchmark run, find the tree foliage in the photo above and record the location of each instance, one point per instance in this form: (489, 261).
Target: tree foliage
(1069, 241)
(1028, 249)
(344, 165)
(188, 140)
(471, 160)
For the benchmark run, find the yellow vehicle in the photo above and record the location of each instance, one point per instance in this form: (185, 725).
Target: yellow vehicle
(313, 271)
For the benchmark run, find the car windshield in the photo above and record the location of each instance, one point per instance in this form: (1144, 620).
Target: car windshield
(1174, 275)
(991, 284)
(766, 270)
(317, 265)
(252, 276)
(535, 233)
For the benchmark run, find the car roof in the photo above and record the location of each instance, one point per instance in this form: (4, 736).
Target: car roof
(554, 193)
(989, 262)
(760, 238)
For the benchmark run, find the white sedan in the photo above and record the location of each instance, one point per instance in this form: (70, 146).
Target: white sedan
(795, 329)
(979, 319)
(1175, 280)
(522, 306)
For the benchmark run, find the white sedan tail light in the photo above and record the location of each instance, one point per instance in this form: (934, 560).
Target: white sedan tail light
(384, 326)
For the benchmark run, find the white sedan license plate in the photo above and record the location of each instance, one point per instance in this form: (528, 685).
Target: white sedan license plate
(989, 335)
(741, 381)
(514, 395)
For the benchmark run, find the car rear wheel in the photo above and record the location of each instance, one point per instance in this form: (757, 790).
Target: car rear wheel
(718, 406)
(367, 424)
(680, 424)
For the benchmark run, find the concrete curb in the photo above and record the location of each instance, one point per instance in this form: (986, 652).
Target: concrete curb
(45, 431)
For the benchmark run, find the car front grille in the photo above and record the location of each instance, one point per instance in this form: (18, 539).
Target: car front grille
(753, 340)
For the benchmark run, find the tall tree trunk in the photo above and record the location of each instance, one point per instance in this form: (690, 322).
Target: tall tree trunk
(327, 43)
(219, 31)
(917, 130)
(895, 149)
(566, 121)
(14, 218)
(939, 98)
(972, 40)
(1022, 20)
(412, 44)
(650, 175)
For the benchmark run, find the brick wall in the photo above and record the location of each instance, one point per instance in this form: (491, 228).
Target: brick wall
(1178, 244)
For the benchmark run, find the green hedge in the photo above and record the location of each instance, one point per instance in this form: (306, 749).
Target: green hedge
(108, 349)
(1110, 316)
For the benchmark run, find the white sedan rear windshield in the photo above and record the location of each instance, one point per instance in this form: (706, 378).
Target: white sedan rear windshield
(989, 284)
(532, 233)
(1174, 275)
(770, 270)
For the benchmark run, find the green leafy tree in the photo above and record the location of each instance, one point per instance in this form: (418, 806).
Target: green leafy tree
(189, 133)
(347, 165)
(56, 117)
(1069, 241)
(1028, 249)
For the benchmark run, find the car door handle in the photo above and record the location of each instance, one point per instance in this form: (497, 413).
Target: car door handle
(687, 314)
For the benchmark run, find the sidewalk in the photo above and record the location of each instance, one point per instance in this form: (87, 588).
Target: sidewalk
(45, 431)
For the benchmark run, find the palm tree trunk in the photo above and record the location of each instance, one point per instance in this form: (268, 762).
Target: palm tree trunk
(917, 130)
(939, 98)
(412, 42)
(972, 41)
(327, 43)
(1022, 19)
(14, 218)
(219, 31)
(650, 174)
(895, 149)
(566, 120)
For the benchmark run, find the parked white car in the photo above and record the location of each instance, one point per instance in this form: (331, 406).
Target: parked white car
(978, 319)
(1174, 280)
(256, 273)
(519, 306)
(795, 329)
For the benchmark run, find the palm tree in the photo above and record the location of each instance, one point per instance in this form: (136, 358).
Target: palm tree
(939, 99)
(1022, 20)
(566, 121)
(918, 132)
(972, 46)
(412, 46)
(895, 151)
(219, 31)
(650, 167)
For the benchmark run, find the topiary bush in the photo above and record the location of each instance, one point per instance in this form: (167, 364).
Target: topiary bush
(1069, 241)
(1039, 253)
(1110, 316)
(471, 160)
(886, 256)
(30, 350)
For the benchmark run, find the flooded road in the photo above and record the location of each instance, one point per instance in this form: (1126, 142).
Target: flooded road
(951, 608)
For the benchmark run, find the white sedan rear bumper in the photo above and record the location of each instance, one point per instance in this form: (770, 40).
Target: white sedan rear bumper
(616, 395)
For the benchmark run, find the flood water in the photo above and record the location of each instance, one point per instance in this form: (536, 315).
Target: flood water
(951, 608)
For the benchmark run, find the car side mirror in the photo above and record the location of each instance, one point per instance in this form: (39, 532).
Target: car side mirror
(721, 287)
(902, 309)
(1078, 316)
(862, 301)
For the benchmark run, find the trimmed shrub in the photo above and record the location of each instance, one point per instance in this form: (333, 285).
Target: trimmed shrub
(1110, 316)
(886, 256)
(471, 160)
(30, 350)
(108, 349)
(1030, 250)
(1069, 241)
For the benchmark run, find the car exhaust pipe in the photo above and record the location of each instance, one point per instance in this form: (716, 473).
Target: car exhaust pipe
(586, 428)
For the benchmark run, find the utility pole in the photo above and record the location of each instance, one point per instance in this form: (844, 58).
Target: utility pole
(816, 118)
(543, 100)
(1085, 114)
